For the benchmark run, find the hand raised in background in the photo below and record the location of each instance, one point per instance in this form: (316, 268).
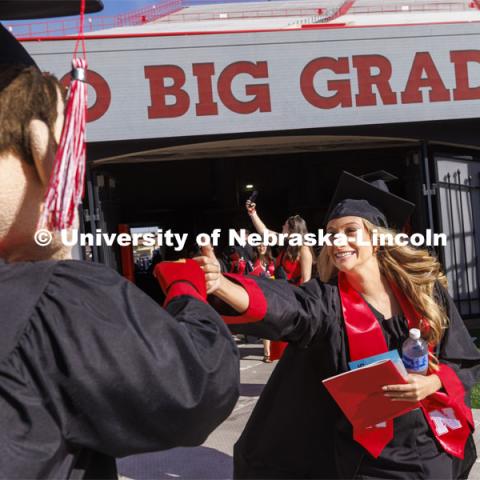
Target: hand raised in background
(250, 206)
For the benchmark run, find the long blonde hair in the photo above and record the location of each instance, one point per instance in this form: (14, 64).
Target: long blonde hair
(414, 271)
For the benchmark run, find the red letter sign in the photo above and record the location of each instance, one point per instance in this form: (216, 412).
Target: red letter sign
(366, 80)
(158, 91)
(204, 73)
(343, 95)
(461, 59)
(423, 66)
(261, 93)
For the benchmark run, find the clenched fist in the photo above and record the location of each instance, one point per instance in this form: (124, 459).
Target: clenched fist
(211, 267)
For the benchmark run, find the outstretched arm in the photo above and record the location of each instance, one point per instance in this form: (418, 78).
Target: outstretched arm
(271, 309)
(258, 224)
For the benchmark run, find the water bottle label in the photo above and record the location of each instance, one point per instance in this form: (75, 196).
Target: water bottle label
(418, 364)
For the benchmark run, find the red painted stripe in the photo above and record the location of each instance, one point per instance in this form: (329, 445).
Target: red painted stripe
(313, 26)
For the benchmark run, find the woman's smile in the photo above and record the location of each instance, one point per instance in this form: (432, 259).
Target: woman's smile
(344, 254)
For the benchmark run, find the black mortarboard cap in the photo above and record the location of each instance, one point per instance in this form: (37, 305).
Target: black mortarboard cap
(31, 9)
(11, 51)
(355, 196)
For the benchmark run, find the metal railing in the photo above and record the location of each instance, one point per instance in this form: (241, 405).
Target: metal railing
(327, 15)
(70, 26)
(171, 11)
(241, 14)
(415, 7)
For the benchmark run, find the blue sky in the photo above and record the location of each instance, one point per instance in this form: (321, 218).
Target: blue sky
(114, 7)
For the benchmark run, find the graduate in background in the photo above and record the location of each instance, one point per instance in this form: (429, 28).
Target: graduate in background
(264, 266)
(363, 304)
(293, 263)
(91, 368)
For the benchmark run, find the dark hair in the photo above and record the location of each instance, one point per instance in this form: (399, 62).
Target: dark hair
(268, 254)
(26, 94)
(295, 224)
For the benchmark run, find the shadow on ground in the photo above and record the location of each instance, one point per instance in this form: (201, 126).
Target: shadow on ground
(185, 463)
(251, 351)
(251, 389)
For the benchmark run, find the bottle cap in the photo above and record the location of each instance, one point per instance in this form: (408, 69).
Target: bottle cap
(414, 333)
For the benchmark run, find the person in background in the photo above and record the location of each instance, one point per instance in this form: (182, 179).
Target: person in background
(240, 257)
(264, 266)
(294, 263)
(263, 262)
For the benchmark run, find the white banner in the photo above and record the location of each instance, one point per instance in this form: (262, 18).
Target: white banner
(170, 86)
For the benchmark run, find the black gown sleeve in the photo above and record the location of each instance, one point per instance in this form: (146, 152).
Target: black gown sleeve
(120, 374)
(281, 311)
(457, 349)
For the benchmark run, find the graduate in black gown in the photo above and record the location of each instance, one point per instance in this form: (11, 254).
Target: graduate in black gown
(365, 301)
(91, 368)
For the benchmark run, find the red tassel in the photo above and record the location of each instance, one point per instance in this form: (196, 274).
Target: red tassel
(65, 190)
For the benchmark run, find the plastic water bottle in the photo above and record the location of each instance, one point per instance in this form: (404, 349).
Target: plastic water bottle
(415, 353)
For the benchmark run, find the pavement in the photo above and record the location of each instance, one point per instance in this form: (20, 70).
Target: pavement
(213, 459)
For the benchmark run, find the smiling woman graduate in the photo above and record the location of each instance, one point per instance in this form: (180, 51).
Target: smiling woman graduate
(91, 368)
(363, 304)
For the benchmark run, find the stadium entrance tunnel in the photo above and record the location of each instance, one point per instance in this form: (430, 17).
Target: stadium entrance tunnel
(195, 188)
(198, 187)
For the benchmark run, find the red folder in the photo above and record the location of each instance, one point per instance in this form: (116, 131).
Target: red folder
(360, 396)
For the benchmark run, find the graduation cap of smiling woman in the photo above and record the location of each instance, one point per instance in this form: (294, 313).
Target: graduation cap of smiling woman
(368, 197)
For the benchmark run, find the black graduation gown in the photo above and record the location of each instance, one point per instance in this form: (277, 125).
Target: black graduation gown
(91, 368)
(296, 429)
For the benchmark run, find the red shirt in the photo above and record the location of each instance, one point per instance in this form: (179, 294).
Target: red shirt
(292, 268)
(261, 270)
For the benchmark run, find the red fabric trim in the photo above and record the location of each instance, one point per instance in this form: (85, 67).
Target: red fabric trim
(182, 288)
(414, 319)
(168, 273)
(455, 390)
(365, 337)
(451, 437)
(374, 439)
(257, 306)
(277, 347)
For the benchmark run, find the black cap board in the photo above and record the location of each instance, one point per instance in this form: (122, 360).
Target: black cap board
(11, 51)
(357, 197)
(32, 9)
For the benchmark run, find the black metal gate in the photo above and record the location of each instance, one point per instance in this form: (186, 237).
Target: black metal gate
(458, 201)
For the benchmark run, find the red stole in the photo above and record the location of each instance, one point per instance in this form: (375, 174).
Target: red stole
(446, 413)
